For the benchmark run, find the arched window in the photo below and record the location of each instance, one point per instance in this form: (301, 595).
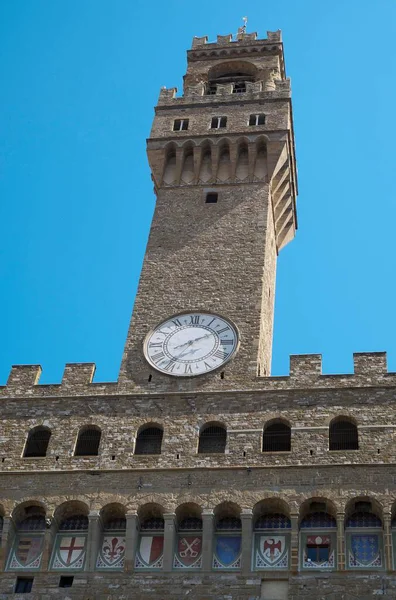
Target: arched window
(37, 442)
(150, 549)
(112, 547)
(271, 540)
(88, 442)
(228, 537)
(343, 435)
(276, 437)
(212, 439)
(364, 538)
(70, 547)
(149, 440)
(318, 538)
(188, 552)
(27, 548)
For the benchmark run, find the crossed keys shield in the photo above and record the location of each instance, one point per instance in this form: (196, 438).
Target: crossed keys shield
(189, 549)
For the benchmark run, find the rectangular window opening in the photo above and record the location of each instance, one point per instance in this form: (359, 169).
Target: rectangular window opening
(211, 198)
(180, 125)
(23, 585)
(257, 119)
(318, 553)
(218, 122)
(66, 581)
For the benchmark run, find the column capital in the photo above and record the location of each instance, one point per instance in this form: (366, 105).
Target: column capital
(94, 514)
(207, 513)
(246, 513)
(130, 515)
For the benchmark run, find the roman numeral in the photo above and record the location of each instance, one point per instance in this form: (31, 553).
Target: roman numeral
(207, 366)
(209, 324)
(177, 322)
(194, 320)
(158, 357)
(187, 369)
(220, 354)
(227, 342)
(155, 345)
(170, 366)
(223, 330)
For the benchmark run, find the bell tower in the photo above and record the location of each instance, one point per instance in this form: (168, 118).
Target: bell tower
(223, 165)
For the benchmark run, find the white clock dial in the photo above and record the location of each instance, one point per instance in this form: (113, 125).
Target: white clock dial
(191, 344)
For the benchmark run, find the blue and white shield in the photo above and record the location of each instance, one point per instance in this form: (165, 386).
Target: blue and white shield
(365, 551)
(227, 550)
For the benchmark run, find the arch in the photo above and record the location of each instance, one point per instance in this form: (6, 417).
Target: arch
(277, 436)
(227, 517)
(88, 441)
(113, 516)
(70, 508)
(187, 175)
(242, 169)
(363, 504)
(149, 439)
(317, 504)
(205, 171)
(37, 442)
(212, 439)
(271, 506)
(343, 434)
(170, 163)
(231, 69)
(260, 167)
(224, 167)
(29, 511)
(188, 510)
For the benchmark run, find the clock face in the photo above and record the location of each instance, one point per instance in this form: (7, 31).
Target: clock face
(191, 344)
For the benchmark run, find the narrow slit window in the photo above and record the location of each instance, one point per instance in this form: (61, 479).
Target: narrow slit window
(257, 119)
(180, 125)
(66, 581)
(211, 198)
(218, 122)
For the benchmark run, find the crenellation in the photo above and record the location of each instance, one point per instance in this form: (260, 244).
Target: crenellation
(22, 377)
(76, 374)
(224, 39)
(370, 363)
(305, 365)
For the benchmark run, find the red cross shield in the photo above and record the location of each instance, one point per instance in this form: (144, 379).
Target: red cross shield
(71, 549)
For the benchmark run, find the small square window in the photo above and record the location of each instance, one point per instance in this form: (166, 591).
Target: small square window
(218, 122)
(23, 585)
(66, 581)
(257, 119)
(211, 198)
(180, 125)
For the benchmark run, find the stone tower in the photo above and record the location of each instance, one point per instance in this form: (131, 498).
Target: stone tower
(223, 166)
(197, 475)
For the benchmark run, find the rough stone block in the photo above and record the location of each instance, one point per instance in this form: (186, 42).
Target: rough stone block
(199, 41)
(24, 376)
(368, 363)
(305, 364)
(78, 373)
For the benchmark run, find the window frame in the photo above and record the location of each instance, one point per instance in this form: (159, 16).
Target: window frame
(181, 122)
(221, 122)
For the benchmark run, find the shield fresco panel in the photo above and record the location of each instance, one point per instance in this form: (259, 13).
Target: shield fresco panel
(26, 553)
(365, 551)
(111, 553)
(150, 552)
(272, 552)
(69, 552)
(227, 554)
(316, 539)
(189, 552)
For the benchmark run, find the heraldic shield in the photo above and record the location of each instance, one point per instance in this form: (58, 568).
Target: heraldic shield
(150, 552)
(272, 552)
(365, 551)
(27, 553)
(189, 552)
(111, 553)
(69, 552)
(227, 553)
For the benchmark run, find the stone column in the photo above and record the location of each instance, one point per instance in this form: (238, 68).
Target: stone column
(341, 541)
(131, 540)
(388, 542)
(207, 540)
(169, 540)
(93, 541)
(49, 537)
(7, 538)
(247, 539)
(294, 543)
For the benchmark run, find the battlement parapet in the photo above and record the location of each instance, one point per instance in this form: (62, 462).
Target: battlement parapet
(195, 94)
(370, 370)
(241, 38)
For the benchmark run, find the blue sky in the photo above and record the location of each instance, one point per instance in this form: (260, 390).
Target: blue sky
(79, 82)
